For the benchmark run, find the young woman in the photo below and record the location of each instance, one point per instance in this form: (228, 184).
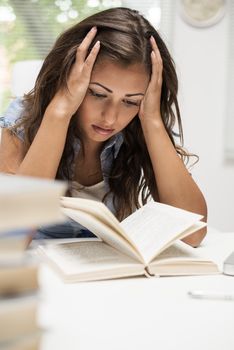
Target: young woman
(101, 115)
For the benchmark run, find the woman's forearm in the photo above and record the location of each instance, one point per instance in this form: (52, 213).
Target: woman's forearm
(175, 185)
(45, 152)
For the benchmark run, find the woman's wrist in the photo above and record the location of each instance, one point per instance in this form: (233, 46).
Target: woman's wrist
(58, 112)
(149, 122)
(56, 118)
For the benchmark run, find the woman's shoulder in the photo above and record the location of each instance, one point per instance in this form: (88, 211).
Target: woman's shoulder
(12, 115)
(13, 111)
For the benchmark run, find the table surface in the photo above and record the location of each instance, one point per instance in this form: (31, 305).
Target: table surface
(140, 313)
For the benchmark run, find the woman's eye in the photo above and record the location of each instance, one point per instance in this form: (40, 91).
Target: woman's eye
(96, 94)
(132, 103)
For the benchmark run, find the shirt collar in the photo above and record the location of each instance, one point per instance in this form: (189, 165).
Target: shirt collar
(115, 141)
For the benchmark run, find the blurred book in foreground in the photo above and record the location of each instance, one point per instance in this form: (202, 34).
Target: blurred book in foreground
(25, 204)
(18, 319)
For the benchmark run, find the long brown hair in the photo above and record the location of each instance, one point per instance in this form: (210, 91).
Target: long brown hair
(124, 35)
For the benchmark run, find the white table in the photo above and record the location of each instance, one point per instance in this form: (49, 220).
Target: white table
(140, 313)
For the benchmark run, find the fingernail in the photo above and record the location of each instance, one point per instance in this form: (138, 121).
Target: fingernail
(94, 29)
(97, 43)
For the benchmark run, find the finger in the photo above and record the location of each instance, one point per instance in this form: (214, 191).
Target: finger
(83, 47)
(157, 67)
(156, 50)
(90, 60)
(154, 74)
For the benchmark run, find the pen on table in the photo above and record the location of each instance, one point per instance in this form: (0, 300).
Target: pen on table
(200, 294)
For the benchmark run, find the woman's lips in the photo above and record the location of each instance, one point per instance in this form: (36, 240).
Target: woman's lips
(102, 131)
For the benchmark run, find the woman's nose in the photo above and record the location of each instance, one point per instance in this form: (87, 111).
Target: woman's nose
(110, 115)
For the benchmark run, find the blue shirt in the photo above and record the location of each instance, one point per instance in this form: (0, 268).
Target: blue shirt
(110, 151)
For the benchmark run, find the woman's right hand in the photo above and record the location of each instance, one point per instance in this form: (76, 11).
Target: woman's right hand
(67, 101)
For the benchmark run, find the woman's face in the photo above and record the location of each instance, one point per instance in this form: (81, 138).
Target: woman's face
(112, 100)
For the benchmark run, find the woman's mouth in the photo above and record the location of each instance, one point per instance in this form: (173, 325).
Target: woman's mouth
(102, 131)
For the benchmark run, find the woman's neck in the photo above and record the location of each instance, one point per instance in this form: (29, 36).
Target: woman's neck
(88, 169)
(91, 149)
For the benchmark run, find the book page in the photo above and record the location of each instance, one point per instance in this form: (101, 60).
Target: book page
(102, 231)
(178, 251)
(97, 209)
(89, 260)
(181, 259)
(99, 213)
(155, 226)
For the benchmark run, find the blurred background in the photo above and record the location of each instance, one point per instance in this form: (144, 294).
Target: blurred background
(199, 34)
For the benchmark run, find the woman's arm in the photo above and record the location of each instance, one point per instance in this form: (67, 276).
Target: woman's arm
(175, 185)
(43, 156)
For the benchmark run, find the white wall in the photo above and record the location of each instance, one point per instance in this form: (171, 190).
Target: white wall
(201, 60)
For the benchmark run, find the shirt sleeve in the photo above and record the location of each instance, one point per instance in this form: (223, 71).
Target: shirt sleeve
(11, 116)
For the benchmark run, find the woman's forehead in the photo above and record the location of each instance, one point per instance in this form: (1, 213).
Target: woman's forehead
(116, 76)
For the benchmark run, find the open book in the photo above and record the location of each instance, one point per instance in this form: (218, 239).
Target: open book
(145, 243)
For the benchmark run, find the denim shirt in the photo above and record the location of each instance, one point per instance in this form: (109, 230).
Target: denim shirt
(70, 228)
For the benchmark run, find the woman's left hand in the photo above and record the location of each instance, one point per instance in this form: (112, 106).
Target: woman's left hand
(150, 105)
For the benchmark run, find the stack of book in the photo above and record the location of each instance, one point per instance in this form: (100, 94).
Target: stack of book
(18, 293)
(25, 203)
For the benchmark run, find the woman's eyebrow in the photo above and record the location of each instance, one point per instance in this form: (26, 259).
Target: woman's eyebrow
(104, 87)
